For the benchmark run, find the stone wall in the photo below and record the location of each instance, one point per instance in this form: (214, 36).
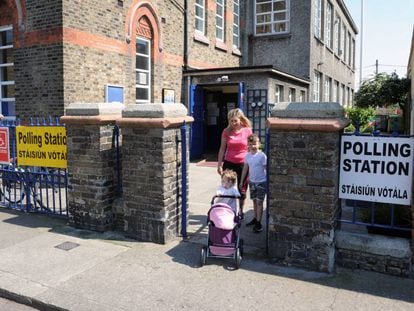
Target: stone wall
(303, 183)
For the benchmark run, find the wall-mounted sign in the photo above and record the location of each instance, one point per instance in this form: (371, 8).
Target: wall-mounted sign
(168, 96)
(41, 146)
(114, 93)
(377, 169)
(4, 145)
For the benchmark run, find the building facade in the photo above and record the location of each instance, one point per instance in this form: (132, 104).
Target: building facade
(208, 54)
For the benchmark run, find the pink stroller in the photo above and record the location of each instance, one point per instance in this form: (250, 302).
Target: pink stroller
(223, 239)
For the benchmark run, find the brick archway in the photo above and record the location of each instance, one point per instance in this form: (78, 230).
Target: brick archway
(17, 16)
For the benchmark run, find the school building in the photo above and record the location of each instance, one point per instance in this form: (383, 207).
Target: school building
(211, 55)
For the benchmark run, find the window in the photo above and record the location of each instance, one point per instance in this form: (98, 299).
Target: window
(302, 96)
(143, 70)
(349, 49)
(292, 95)
(316, 86)
(220, 23)
(236, 23)
(328, 25)
(7, 100)
(337, 35)
(200, 13)
(279, 93)
(272, 16)
(343, 44)
(353, 54)
(318, 18)
(335, 91)
(343, 95)
(327, 89)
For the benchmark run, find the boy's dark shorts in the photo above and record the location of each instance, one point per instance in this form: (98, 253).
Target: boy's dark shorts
(257, 190)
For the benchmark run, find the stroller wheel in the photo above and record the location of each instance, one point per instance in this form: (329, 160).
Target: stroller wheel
(203, 256)
(237, 258)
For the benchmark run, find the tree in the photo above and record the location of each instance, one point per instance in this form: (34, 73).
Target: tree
(383, 90)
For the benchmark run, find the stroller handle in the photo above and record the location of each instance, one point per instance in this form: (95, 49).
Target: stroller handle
(224, 196)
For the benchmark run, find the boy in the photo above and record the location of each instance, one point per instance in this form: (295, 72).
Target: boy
(255, 164)
(228, 187)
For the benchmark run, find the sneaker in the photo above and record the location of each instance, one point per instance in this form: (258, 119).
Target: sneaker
(252, 222)
(241, 216)
(257, 227)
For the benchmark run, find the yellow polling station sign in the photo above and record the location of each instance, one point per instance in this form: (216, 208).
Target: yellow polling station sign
(41, 146)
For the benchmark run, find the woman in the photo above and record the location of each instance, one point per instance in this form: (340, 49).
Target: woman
(233, 149)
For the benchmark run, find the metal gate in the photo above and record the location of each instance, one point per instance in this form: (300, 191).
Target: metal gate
(258, 109)
(32, 188)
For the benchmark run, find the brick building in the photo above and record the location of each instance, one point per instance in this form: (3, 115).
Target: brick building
(211, 55)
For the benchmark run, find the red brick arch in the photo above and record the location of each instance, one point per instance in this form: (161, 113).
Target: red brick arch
(18, 13)
(144, 11)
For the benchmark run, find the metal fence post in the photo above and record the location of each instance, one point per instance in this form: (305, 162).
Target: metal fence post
(184, 180)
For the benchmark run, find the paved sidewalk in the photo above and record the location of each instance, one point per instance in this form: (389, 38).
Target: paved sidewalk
(108, 272)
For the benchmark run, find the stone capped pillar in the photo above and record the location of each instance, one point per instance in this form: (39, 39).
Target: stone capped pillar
(303, 188)
(91, 163)
(151, 170)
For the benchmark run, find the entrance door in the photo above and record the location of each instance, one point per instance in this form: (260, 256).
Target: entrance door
(209, 105)
(197, 127)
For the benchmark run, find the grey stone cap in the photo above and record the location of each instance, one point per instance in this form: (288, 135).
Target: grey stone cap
(94, 109)
(154, 110)
(320, 110)
(373, 244)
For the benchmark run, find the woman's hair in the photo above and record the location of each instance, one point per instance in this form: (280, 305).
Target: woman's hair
(230, 175)
(238, 113)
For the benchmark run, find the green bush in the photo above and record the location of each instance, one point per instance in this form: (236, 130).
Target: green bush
(361, 116)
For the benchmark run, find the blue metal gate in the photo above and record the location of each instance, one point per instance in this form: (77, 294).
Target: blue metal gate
(32, 188)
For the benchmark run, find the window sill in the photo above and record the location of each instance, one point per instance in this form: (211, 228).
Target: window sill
(236, 51)
(220, 45)
(274, 35)
(201, 38)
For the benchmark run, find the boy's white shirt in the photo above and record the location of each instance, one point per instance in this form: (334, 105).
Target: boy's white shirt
(257, 166)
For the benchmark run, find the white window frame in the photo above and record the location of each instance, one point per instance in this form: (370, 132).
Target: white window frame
(279, 93)
(328, 24)
(335, 91)
(272, 21)
(318, 19)
(292, 94)
(4, 66)
(236, 24)
(302, 96)
(327, 89)
(201, 18)
(316, 95)
(343, 43)
(141, 86)
(220, 19)
(337, 35)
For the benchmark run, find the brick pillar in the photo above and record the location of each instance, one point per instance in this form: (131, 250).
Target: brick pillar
(91, 164)
(152, 170)
(303, 189)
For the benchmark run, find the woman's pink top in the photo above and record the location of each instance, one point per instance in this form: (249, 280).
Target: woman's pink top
(236, 144)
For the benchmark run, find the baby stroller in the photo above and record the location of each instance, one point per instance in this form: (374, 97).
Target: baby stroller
(223, 239)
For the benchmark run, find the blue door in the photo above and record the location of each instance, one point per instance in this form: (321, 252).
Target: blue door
(197, 127)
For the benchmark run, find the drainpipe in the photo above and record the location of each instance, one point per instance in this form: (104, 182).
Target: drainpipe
(185, 34)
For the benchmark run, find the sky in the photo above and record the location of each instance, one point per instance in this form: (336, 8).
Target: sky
(387, 33)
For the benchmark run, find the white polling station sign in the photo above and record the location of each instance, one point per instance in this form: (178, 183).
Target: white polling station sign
(378, 169)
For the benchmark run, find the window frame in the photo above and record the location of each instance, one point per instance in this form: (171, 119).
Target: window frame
(236, 24)
(317, 31)
(149, 72)
(279, 89)
(329, 24)
(221, 27)
(316, 92)
(327, 94)
(201, 18)
(6, 83)
(292, 95)
(272, 22)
